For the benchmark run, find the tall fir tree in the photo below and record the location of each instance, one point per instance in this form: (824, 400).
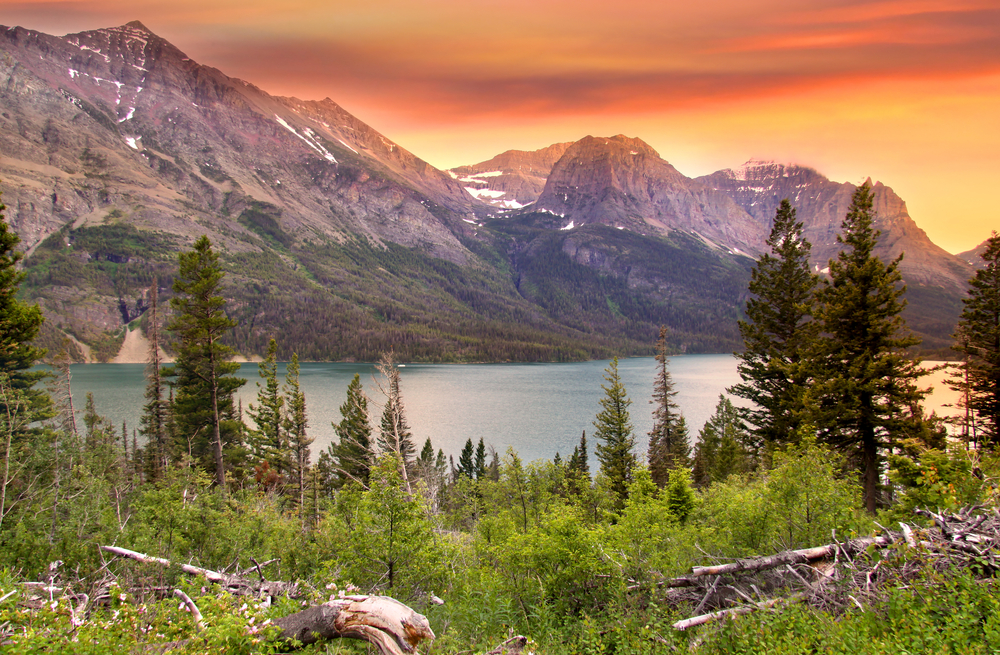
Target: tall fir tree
(352, 455)
(615, 439)
(394, 432)
(466, 466)
(978, 339)
(778, 333)
(153, 422)
(864, 382)
(723, 447)
(668, 447)
(269, 440)
(203, 371)
(19, 325)
(296, 424)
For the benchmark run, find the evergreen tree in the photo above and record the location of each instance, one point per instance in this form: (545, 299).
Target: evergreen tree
(203, 373)
(466, 466)
(778, 332)
(722, 448)
(270, 442)
(154, 415)
(19, 325)
(863, 378)
(613, 431)
(295, 424)
(979, 343)
(352, 456)
(668, 449)
(480, 466)
(394, 433)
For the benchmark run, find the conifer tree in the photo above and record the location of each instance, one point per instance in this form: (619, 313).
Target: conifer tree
(394, 433)
(153, 422)
(863, 379)
(722, 448)
(613, 431)
(668, 448)
(979, 343)
(778, 332)
(19, 325)
(480, 466)
(352, 455)
(466, 466)
(295, 424)
(270, 441)
(203, 373)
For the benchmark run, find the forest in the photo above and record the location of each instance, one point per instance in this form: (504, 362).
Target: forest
(832, 515)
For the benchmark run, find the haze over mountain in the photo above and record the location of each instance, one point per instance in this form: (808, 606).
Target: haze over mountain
(118, 150)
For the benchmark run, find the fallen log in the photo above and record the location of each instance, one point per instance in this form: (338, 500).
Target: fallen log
(736, 611)
(235, 583)
(384, 622)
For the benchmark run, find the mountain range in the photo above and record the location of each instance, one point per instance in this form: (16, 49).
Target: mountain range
(117, 151)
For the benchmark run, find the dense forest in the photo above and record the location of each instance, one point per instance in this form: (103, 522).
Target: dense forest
(606, 550)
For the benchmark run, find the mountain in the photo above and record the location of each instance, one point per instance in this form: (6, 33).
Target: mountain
(622, 182)
(513, 178)
(119, 151)
(975, 256)
(935, 279)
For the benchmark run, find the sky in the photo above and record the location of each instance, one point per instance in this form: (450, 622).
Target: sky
(906, 92)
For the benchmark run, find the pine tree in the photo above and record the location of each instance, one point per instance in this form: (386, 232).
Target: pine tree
(295, 424)
(613, 431)
(270, 442)
(466, 466)
(154, 416)
(979, 343)
(722, 448)
(394, 433)
(863, 380)
(19, 325)
(352, 456)
(777, 333)
(480, 465)
(668, 449)
(204, 383)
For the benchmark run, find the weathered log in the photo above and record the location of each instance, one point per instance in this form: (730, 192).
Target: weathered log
(389, 625)
(736, 611)
(235, 583)
(513, 646)
(802, 556)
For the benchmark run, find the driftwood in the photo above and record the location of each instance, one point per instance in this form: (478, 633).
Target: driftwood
(967, 539)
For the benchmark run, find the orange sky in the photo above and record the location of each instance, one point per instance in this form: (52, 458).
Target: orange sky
(904, 91)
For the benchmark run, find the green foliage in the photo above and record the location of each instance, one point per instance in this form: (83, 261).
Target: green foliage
(938, 480)
(723, 447)
(19, 324)
(203, 404)
(978, 339)
(956, 615)
(778, 331)
(863, 379)
(668, 440)
(613, 431)
(352, 455)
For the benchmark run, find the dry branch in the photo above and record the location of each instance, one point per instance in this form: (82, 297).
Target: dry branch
(234, 583)
(957, 541)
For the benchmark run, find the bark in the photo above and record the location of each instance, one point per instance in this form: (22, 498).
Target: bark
(384, 622)
(736, 611)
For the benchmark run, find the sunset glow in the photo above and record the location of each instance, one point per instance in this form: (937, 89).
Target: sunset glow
(904, 91)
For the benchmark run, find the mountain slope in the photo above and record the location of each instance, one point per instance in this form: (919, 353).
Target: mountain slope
(513, 178)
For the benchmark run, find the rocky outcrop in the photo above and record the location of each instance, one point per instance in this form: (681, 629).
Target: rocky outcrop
(624, 183)
(512, 179)
(821, 204)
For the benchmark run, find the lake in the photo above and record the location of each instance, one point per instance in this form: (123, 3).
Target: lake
(538, 409)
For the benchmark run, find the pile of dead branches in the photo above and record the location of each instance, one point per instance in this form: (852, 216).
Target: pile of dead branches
(840, 574)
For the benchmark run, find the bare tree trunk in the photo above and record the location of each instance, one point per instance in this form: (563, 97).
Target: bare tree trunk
(220, 471)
